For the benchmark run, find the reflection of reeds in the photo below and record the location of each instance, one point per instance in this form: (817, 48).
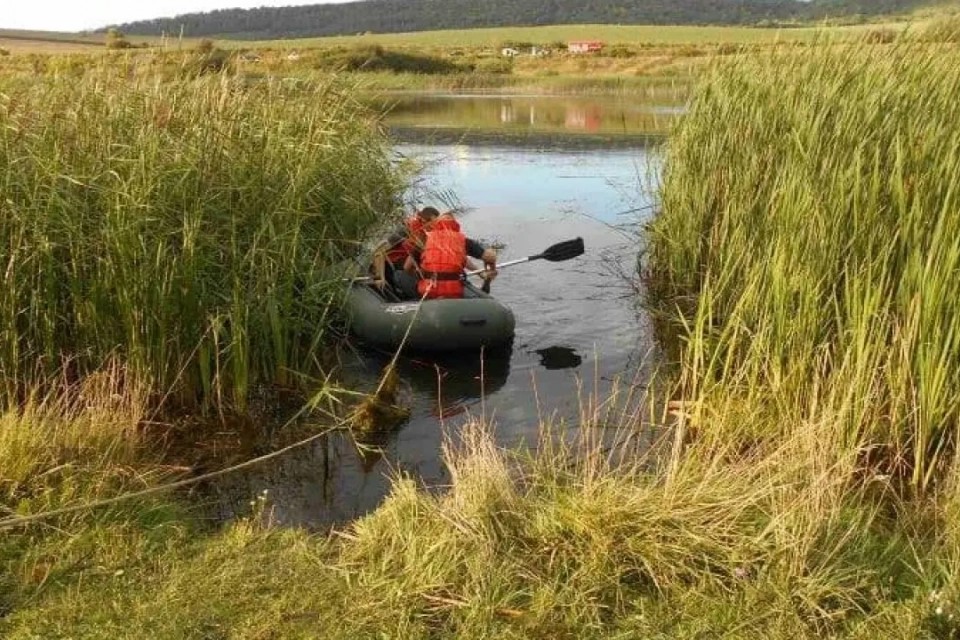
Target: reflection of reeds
(809, 222)
(186, 228)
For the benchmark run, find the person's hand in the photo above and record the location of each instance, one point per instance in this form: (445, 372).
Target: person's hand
(489, 272)
(489, 265)
(379, 283)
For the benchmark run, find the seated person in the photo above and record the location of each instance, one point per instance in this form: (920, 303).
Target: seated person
(391, 254)
(438, 266)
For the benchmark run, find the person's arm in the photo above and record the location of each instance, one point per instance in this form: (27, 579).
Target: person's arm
(489, 258)
(474, 249)
(380, 264)
(380, 255)
(410, 265)
(488, 255)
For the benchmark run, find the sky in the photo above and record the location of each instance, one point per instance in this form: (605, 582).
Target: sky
(80, 15)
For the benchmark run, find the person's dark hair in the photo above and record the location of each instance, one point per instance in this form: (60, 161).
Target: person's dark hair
(428, 212)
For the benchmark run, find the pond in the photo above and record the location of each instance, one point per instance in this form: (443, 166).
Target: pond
(580, 331)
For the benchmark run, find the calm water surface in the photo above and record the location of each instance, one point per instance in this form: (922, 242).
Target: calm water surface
(615, 119)
(578, 325)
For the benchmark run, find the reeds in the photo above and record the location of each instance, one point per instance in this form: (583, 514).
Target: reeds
(809, 247)
(186, 228)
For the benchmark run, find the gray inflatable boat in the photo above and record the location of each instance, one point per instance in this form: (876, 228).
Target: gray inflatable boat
(476, 320)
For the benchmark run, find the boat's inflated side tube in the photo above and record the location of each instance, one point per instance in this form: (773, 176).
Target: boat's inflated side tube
(474, 321)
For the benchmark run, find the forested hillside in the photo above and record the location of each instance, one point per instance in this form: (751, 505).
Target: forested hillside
(391, 16)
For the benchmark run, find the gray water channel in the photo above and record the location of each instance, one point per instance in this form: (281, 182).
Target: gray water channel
(580, 330)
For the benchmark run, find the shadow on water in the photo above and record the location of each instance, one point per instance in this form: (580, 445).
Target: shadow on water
(559, 358)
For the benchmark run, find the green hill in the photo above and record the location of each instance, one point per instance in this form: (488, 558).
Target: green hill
(394, 16)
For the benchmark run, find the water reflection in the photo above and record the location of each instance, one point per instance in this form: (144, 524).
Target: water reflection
(450, 383)
(532, 114)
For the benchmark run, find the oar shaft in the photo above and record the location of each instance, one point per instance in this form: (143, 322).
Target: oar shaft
(500, 266)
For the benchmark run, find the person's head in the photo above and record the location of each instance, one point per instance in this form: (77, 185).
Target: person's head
(428, 214)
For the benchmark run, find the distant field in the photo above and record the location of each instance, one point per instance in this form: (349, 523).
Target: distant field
(633, 54)
(610, 34)
(19, 41)
(16, 41)
(51, 36)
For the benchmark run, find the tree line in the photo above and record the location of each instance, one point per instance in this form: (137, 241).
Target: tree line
(393, 16)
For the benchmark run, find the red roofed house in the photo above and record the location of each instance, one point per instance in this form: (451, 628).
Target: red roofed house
(584, 46)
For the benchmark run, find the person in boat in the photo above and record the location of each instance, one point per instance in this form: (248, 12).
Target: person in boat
(390, 255)
(438, 266)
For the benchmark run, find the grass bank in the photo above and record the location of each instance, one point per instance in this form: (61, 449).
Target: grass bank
(184, 229)
(575, 542)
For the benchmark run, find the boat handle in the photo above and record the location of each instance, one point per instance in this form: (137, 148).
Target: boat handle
(472, 322)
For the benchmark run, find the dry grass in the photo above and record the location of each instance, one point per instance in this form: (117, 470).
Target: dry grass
(572, 542)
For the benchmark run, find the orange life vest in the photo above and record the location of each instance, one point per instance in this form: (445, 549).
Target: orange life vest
(443, 259)
(398, 253)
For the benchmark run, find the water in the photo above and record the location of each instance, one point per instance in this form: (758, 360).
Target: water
(607, 121)
(578, 329)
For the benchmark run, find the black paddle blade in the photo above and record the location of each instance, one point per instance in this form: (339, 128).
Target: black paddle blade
(563, 250)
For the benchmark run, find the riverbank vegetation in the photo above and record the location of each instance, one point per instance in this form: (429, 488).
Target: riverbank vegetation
(805, 485)
(187, 229)
(574, 542)
(813, 243)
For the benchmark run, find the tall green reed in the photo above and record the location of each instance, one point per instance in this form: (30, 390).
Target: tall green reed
(187, 228)
(809, 241)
